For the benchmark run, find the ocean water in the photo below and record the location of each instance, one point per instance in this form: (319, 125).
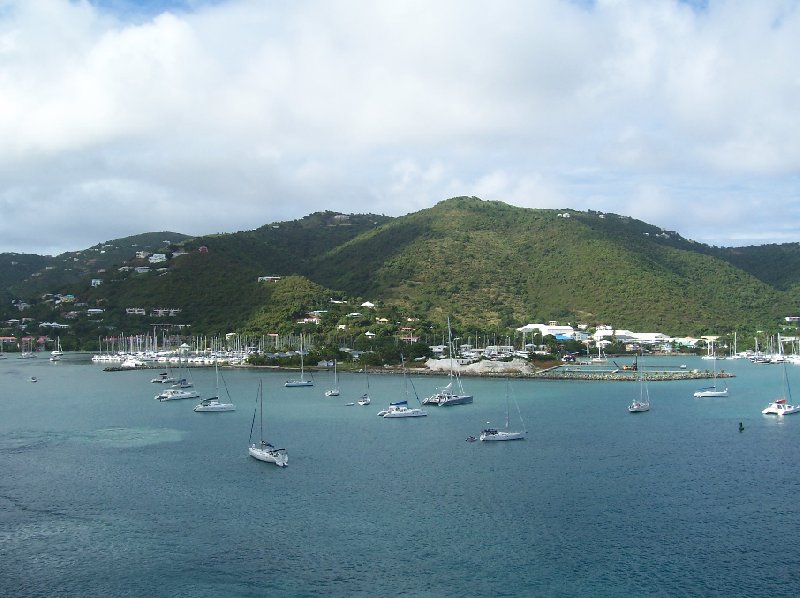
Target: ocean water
(106, 492)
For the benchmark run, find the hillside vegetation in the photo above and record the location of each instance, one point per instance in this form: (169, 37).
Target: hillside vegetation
(490, 266)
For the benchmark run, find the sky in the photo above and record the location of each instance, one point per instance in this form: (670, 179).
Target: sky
(120, 117)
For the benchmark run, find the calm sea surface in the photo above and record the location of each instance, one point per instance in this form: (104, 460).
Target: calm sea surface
(106, 492)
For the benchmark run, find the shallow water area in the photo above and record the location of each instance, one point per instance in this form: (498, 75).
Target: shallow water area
(106, 491)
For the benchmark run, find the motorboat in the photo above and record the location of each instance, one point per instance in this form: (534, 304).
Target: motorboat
(33, 379)
(174, 394)
(779, 407)
(214, 404)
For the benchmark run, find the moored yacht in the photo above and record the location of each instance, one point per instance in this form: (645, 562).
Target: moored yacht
(493, 434)
(214, 404)
(174, 394)
(779, 407)
(401, 409)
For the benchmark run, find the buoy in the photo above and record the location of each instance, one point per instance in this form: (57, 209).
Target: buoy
(741, 427)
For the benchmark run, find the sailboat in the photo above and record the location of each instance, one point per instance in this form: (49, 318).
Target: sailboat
(401, 408)
(297, 383)
(333, 392)
(185, 380)
(712, 391)
(445, 396)
(264, 451)
(213, 403)
(641, 404)
(780, 406)
(493, 434)
(56, 353)
(365, 400)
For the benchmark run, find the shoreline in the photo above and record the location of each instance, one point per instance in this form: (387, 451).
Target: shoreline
(516, 368)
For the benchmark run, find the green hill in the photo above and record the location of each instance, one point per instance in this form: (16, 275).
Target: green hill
(489, 265)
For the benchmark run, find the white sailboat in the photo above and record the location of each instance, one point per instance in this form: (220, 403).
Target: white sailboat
(713, 390)
(264, 451)
(446, 396)
(175, 394)
(213, 404)
(400, 409)
(493, 434)
(56, 353)
(641, 404)
(365, 400)
(333, 392)
(301, 382)
(782, 406)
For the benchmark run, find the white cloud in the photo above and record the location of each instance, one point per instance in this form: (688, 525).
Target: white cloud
(232, 114)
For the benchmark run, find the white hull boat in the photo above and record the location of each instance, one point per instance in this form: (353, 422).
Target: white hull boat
(493, 435)
(334, 392)
(403, 411)
(711, 391)
(780, 407)
(301, 382)
(175, 394)
(269, 454)
(214, 404)
(264, 451)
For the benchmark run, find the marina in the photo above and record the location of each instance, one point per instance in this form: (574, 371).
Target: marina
(101, 483)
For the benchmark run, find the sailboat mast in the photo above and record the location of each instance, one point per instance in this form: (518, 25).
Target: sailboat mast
(261, 410)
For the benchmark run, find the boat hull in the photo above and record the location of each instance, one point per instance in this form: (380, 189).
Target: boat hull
(500, 436)
(781, 410)
(176, 396)
(711, 393)
(267, 455)
(213, 408)
(395, 413)
(298, 383)
(445, 400)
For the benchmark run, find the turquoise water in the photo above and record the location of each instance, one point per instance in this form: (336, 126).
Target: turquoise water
(106, 492)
